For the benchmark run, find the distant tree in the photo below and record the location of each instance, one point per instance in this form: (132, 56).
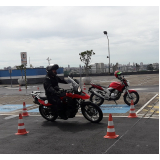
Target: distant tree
(31, 66)
(85, 57)
(21, 67)
(150, 67)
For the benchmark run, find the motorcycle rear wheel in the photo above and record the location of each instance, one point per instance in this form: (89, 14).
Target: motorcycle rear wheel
(92, 112)
(135, 99)
(47, 113)
(96, 100)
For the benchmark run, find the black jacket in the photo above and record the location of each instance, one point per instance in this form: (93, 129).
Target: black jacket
(50, 83)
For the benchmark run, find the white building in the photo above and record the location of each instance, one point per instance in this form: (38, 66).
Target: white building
(155, 65)
(98, 68)
(93, 68)
(68, 68)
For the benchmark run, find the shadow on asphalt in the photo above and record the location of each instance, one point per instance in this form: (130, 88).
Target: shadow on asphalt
(73, 126)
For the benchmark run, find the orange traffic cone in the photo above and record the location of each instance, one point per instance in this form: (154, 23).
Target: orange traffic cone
(132, 113)
(84, 87)
(25, 113)
(21, 127)
(110, 129)
(20, 88)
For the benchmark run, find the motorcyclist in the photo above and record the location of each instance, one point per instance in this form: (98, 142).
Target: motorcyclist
(52, 89)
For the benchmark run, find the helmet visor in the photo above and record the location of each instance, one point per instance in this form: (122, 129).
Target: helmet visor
(119, 73)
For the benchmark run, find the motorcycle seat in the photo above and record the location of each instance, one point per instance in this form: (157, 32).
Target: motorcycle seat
(43, 96)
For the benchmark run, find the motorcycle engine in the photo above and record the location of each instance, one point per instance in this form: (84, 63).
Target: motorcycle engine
(114, 94)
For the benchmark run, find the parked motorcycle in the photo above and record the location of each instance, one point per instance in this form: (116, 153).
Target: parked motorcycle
(73, 99)
(113, 92)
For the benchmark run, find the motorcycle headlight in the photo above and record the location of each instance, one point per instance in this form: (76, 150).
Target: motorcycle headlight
(79, 89)
(128, 83)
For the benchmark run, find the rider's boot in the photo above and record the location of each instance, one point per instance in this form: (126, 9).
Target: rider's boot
(62, 114)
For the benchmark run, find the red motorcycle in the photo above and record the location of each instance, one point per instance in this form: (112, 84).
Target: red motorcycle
(113, 92)
(73, 99)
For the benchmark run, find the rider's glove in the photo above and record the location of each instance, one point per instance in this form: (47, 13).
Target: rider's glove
(58, 93)
(56, 88)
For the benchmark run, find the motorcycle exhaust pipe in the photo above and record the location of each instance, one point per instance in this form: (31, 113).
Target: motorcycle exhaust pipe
(97, 94)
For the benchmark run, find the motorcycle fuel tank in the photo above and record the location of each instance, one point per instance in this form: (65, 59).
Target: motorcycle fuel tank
(116, 85)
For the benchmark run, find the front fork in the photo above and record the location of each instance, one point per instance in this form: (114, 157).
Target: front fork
(128, 93)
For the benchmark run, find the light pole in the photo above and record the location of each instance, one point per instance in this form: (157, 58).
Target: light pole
(105, 32)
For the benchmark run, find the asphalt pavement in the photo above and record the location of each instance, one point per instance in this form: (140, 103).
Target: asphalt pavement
(8, 90)
(78, 136)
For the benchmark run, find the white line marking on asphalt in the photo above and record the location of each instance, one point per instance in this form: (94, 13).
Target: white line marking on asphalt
(9, 117)
(17, 88)
(139, 115)
(156, 116)
(140, 88)
(146, 104)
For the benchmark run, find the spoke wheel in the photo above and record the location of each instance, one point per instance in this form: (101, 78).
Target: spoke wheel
(96, 100)
(47, 113)
(92, 112)
(134, 97)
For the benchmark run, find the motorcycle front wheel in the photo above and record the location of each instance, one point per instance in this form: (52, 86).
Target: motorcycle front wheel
(96, 100)
(135, 98)
(92, 112)
(47, 113)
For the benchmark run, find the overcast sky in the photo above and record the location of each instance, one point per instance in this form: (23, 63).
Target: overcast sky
(61, 33)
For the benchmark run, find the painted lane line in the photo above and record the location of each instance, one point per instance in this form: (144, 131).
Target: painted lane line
(38, 115)
(123, 134)
(20, 110)
(147, 115)
(9, 117)
(17, 88)
(140, 88)
(146, 104)
(17, 100)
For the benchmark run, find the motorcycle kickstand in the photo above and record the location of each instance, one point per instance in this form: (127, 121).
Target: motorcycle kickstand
(115, 102)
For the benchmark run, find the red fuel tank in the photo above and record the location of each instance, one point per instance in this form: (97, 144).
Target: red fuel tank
(116, 85)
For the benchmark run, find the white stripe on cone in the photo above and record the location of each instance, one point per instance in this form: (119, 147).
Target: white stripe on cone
(110, 123)
(21, 127)
(131, 107)
(110, 130)
(132, 111)
(20, 121)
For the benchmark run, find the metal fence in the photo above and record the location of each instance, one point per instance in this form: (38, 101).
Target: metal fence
(104, 70)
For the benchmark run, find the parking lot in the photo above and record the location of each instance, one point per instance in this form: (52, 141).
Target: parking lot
(77, 135)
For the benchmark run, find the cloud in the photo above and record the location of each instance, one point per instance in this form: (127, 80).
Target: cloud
(61, 33)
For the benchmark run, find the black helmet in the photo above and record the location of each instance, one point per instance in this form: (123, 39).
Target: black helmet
(50, 68)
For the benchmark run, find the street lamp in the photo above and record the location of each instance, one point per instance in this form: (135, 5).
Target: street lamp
(105, 32)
